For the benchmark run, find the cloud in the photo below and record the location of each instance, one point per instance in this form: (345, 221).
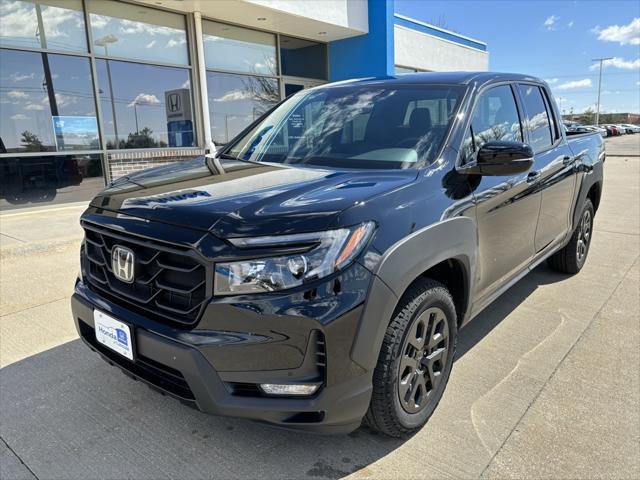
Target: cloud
(550, 22)
(34, 106)
(144, 99)
(570, 24)
(175, 43)
(622, 34)
(551, 81)
(618, 62)
(16, 94)
(575, 84)
(234, 95)
(18, 77)
(186, 84)
(19, 116)
(151, 44)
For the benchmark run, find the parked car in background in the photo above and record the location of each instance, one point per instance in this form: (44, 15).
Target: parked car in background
(315, 271)
(630, 128)
(613, 129)
(621, 130)
(577, 128)
(595, 128)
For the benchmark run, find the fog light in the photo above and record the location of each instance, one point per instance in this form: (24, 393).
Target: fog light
(290, 389)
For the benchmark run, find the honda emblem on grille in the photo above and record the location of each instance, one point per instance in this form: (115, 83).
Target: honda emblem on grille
(122, 263)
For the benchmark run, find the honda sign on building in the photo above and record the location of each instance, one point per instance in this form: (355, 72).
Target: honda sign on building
(179, 117)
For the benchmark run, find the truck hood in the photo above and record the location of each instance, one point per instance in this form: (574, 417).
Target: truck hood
(232, 198)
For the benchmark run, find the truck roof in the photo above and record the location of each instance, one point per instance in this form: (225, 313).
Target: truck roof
(459, 78)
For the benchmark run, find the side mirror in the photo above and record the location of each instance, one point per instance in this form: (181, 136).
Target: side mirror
(501, 158)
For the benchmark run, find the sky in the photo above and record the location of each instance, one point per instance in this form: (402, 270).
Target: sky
(554, 40)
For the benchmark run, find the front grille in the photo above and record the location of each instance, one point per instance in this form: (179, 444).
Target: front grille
(171, 284)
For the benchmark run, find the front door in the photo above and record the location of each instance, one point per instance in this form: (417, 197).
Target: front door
(507, 207)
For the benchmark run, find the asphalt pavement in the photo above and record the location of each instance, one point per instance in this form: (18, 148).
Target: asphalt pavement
(546, 383)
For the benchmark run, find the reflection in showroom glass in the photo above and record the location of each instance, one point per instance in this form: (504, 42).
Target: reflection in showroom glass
(32, 181)
(237, 100)
(132, 31)
(228, 47)
(145, 106)
(47, 103)
(62, 24)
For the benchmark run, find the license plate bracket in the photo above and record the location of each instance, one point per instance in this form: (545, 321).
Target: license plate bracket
(114, 334)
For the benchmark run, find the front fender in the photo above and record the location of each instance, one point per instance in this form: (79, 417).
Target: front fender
(401, 264)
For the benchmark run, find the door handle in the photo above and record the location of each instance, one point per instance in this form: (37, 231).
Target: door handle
(567, 160)
(533, 176)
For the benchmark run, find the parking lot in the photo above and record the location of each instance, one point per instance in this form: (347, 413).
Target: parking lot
(546, 382)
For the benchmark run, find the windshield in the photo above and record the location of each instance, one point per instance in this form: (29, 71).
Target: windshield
(372, 126)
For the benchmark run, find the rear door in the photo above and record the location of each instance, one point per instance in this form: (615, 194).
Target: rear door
(553, 166)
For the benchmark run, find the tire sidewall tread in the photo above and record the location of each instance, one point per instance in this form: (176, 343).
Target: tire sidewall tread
(385, 413)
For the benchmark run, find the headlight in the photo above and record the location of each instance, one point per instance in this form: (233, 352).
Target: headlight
(321, 254)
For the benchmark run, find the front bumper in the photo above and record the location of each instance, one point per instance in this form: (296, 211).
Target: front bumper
(217, 370)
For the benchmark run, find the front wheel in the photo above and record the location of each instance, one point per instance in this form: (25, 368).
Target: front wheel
(573, 256)
(415, 360)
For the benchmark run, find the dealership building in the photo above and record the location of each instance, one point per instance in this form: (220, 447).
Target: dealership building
(91, 90)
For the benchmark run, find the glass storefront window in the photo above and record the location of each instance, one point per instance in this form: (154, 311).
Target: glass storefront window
(47, 103)
(47, 24)
(132, 31)
(302, 58)
(145, 106)
(29, 181)
(227, 47)
(237, 100)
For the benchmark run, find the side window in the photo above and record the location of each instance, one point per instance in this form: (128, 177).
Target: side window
(537, 118)
(495, 117)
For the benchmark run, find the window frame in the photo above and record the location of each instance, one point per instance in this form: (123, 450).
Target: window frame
(467, 127)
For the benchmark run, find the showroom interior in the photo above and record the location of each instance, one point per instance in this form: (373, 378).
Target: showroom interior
(91, 90)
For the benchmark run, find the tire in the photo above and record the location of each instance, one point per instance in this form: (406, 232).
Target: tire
(572, 257)
(424, 311)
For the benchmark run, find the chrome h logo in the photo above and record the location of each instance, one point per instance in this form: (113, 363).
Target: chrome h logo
(123, 263)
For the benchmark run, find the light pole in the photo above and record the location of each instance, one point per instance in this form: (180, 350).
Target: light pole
(601, 60)
(103, 42)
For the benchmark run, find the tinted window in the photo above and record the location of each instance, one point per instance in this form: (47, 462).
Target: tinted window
(354, 127)
(47, 103)
(132, 31)
(233, 48)
(237, 100)
(302, 58)
(62, 24)
(537, 118)
(145, 106)
(49, 179)
(496, 117)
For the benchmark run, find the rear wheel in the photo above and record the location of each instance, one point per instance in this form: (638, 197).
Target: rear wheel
(415, 360)
(573, 256)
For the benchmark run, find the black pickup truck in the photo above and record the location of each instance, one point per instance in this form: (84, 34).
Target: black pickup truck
(316, 270)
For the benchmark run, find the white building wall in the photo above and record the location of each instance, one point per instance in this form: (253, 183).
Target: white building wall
(425, 52)
(351, 14)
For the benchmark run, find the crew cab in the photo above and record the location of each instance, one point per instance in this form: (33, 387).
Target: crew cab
(316, 270)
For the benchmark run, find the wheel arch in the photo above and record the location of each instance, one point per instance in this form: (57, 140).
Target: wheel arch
(445, 252)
